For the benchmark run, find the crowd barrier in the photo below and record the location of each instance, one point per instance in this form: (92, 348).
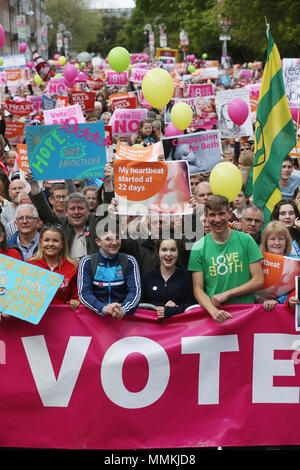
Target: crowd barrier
(77, 380)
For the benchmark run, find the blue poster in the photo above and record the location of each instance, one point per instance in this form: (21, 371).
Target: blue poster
(66, 151)
(26, 290)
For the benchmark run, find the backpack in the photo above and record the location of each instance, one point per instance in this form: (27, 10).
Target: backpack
(123, 262)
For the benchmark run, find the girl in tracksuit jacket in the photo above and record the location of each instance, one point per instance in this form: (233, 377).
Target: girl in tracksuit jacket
(109, 283)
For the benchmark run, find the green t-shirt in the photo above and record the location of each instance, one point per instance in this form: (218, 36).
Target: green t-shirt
(225, 265)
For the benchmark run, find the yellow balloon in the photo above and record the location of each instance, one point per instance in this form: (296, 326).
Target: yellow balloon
(62, 60)
(37, 79)
(158, 87)
(226, 179)
(181, 115)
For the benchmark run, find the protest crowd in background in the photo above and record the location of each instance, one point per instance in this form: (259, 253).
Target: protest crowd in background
(182, 185)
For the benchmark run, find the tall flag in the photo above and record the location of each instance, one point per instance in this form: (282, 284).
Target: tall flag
(275, 134)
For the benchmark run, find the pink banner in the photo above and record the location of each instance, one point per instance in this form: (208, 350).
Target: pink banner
(77, 380)
(116, 79)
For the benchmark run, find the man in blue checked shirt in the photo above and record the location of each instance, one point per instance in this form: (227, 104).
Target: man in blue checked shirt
(109, 281)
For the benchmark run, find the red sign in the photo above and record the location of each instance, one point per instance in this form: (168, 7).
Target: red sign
(95, 83)
(15, 132)
(21, 108)
(86, 99)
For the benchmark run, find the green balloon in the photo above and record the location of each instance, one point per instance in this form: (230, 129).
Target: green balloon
(82, 64)
(119, 59)
(191, 68)
(204, 55)
(1, 61)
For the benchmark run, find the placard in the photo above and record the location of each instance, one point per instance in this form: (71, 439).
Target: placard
(86, 100)
(116, 79)
(201, 150)
(144, 188)
(227, 127)
(127, 121)
(69, 114)
(26, 290)
(141, 154)
(68, 151)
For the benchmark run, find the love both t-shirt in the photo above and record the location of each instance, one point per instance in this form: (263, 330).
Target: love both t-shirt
(225, 265)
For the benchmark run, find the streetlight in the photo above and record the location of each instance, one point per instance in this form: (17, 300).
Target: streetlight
(225, 25)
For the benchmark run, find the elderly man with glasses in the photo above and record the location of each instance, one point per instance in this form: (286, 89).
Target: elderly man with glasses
(252, 222)
(28, 224)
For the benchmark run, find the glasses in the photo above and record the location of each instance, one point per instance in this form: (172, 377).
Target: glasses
(59, 197)
(244, 148)
(26, 218)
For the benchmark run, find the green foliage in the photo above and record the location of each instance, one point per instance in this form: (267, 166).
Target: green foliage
(78, 19)
(108, 29)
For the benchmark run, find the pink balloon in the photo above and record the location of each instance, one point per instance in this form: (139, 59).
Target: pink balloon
(193, 57)
(68, 83)
(23, 47)
(30, 64)
(294, 113)
(2, 36)
(70, 72)
(56, 57)
(172, 130)
(238, 111)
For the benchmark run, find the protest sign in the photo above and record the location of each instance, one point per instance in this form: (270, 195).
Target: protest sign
(204, 111)
(291, 80)
(127, 121)
(137, 74)
(206, 73)
(15, 132)
(86, 99)
(124, 100)
(69, 114)
(26, 290)
(57, 86)
(279, 275)
(22, 157)
(68, 151)
(95, 83)
(188, 382)
(204, 89)
(116, 79)
(152, 187)
(254, 89)
(48, 103)
(201, 150)
(20, 108)
(13, 61)
(36, 101)
(226, 126)
(142, 154)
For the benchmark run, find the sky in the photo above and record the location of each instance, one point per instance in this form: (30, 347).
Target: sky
(112, 3)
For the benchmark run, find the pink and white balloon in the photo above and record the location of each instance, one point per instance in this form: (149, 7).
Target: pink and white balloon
(238, 111)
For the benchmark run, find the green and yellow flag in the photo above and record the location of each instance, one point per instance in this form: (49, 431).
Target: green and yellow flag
(275, 134)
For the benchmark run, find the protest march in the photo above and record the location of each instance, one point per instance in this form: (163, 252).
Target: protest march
(149, 249)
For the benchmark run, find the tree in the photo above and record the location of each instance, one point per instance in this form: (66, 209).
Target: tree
(108, 29)
(78, 19)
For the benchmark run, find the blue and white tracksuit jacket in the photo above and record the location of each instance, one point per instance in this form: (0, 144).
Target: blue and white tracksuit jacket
(108, 284)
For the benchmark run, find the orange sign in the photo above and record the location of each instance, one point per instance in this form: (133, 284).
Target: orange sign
(23, 157)
(137, 181)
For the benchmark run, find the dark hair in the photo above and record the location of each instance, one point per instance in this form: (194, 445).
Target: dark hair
(5, 180)
(283, 202)
(56, 187)
(3, 243)
(288, 159)
(216, 202)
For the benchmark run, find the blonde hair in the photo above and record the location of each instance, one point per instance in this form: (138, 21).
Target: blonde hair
(64, 252)
(276, 227)
(246, 158)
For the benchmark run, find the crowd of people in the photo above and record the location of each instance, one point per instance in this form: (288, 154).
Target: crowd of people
(73, 227)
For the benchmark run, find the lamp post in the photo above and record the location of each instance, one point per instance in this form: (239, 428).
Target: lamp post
(225, 25)
(148, 29)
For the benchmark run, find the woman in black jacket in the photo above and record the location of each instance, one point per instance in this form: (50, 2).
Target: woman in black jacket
(169, 287)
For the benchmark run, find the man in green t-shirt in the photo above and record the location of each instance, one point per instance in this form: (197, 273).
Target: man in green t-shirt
(225, 263)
